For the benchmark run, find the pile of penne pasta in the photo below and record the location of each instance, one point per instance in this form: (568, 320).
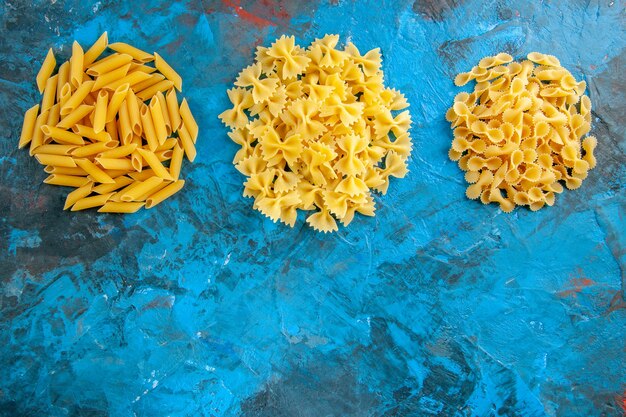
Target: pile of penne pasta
(111, 128)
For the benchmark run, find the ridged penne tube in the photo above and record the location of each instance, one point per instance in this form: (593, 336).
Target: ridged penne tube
(143, 175)
(135, 158)
(164, 155)
(66, 93)
(77, 194)
(166, 116)
(64, 77)
(100, 112)
(120, 182)
(119, 95)
(141, 68)
(148, 127)
(168, 71)
(172, 109)
(62, 136)
(77, 98)
(168, 144)
(66, 180)
(136, 53)
(75, 116)
(55, 160)
(143, 188)
(51, 169)
(115, 163)
(126, 131)
(90, 133)
(164, 194)
(119, 152)
(46, 70)
(28, 126)
(76, 65)
(110, 77)
(93, 148)
(94, 172)
(37, 139)
(49, 93)
(111, 129)
(96, 50)
(187, 143)
(152, 80)
(155, 164)
(131, 79)
(108, 64)
(153, 89)
(53, 115)
(116, 207)
(91, 202)
(176, 162)
(157, 120)
(188, 120)
(133, 113)
(53, 149)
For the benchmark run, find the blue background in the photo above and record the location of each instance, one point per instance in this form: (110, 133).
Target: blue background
(203, 307)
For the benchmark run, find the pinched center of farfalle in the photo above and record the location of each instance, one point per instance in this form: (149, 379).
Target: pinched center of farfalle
(318, 131)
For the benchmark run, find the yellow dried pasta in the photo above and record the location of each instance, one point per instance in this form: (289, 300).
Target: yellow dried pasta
(318, 131)
(96, 132)
(521, 133)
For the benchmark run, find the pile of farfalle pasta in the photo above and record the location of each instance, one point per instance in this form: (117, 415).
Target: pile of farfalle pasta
(111, 127)
(519, 134)
(318, 131)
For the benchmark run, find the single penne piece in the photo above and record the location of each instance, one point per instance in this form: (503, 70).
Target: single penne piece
(126, 131)
(66, 93)
(28, 126)
(51, 169)
(38, 135)
(131, 79)
(90, 133)
(108, 64)
(53, 149)
(153, 89)
(176, 162)
(143, 188)
(168, 144)
(187, 143)
(165, 193)
(91, 202)
(114, 173)
(54, 115)
(164, 155)
(64, 77)
(77, 98)
(133, 113)
(172, 109)
(166, 117)
(96, 50)
(94, 172)
(119, 207)
(66, 180)
(118, 152)
(165, 69)
(56, 160)
(49, 93)
(93, 148)
(141, 68)
(77, 194)
(143, 175)
(135, 158)
(46, 70)
(109, 77)
(121, 181)
(148, 128)
(115, 163)
(111, 129)
(100, 112)
(188, 120)
(154, 163)
(119, 95)
(157, 120)
(154, 190)
(62, 136)
(75, 116)
(154, 78)
(76, 65)
(136, 53)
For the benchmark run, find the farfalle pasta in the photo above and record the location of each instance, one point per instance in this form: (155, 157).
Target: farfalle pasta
(318, 131)
(521, 132)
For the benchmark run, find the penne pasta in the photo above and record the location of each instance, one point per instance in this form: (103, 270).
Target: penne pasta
(119, 152)
(172, 109)
(110, 77)
(96, 50)
(135, 159)
(136, 53)
(187, 143)
(49, 93)
(164, 194)
(164, 155)
(76, 65)
(53, 115)
(28, 126)
(53, 149)
(141, 68)
(93, 171)
(121, 181)
(77, 194)
(90, 133)
(66, 93)
(143, 175)
(166, 117)
(117, 207)
(153, 190)
(108, 64)
(157, 120)
(133, 113)
(176, 162)
(168, 144)
(38, 134)
(148, 128)
(188, 120)
(91, 202)
(142, 188)
(55, 160)
(111, 129)
(126, 131)
(155, 164)
(62, 136)
(152, 80)
(115, 163)
(100, 112)
(77, 98)
(131, 79)
(119, 95)
(92, 148)
(46, 70)
(51, 169)
(75, 116)
(64, 77)
(168, 71)
(66, 180)
(153, 89)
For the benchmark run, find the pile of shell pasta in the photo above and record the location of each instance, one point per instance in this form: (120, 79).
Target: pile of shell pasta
(520, 132)
(111, 128)
(317, 130)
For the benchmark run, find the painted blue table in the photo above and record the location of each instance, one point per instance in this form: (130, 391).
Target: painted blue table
(203, 307)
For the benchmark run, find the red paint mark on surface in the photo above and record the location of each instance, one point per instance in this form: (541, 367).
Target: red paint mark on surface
(617, 303)
(517, 13)
(576, 286)
(247, 16)
(593, 67)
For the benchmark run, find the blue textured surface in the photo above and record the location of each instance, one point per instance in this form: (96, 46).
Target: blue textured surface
(202, 307)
